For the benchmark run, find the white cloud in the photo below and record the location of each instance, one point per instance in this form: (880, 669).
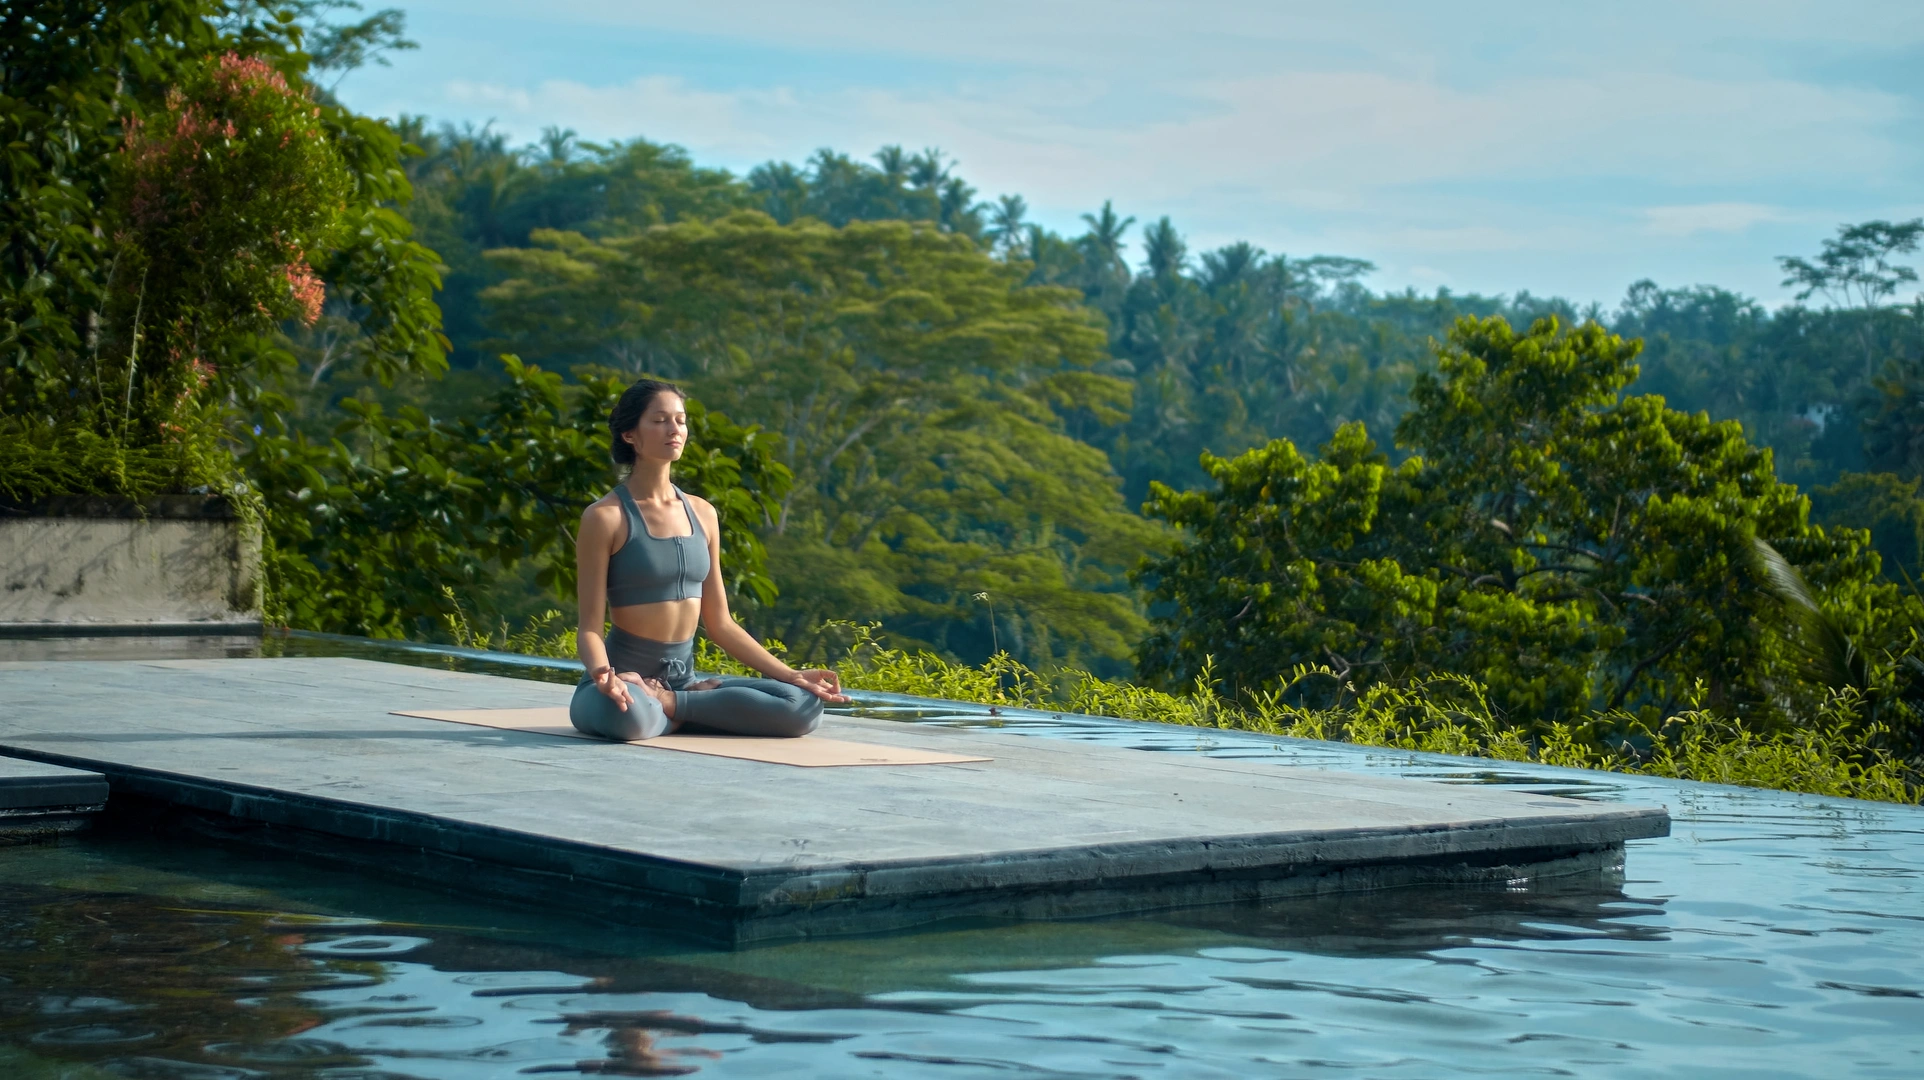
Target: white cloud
(1312, 139)
(1414, 135)
(1722, 217)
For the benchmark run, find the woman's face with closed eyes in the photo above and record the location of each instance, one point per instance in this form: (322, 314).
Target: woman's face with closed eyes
(662, 431)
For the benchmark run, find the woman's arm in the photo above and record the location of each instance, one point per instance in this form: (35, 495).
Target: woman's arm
(728, 635)
(594, 542)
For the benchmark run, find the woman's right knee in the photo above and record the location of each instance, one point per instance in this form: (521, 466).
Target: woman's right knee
(796, 725)
(594, 713)
(804, 713)
(811, 714)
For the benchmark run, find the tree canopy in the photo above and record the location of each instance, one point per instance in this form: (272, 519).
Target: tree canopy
(1572, 548)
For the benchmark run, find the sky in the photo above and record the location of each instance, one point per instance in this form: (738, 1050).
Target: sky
(1481, 145)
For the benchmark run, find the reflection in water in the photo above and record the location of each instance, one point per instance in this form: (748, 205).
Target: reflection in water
(1771, 935)
(196, 962)
(168, 981)
(1423, 921)
(632, 1052)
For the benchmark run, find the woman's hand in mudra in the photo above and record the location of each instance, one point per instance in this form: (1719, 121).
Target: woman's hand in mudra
(821, 682)
(615, 685)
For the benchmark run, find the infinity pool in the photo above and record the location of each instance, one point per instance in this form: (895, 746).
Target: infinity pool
(1771, 935)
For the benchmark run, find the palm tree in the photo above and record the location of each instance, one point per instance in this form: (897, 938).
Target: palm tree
(1821, 642)
(1226, 266)
(959, 213)
(1006, 224)
(836, 186)
(1032, 243)
(927, 169)
(558, 143)
(783, 188)
(1102, 244)
(895, 165)
(472, 149)
(1164, 251)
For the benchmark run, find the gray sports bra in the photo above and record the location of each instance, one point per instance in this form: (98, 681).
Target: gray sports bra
(649, 569)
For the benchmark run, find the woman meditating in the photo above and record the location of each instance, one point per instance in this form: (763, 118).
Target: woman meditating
(650, 557)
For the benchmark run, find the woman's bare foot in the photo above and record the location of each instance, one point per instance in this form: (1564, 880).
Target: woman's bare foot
(656, 689)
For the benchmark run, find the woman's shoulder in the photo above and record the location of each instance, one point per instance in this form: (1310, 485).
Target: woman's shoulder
(605, 509)
(703, 508)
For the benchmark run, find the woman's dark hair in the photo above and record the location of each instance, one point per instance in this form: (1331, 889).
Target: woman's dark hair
(628, 411)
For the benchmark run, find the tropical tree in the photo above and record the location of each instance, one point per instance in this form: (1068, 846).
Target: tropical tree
(1856, 267)
(1008, 230)
(1102, 245)
(1856, 271)
(1571, 548)
(914, 385)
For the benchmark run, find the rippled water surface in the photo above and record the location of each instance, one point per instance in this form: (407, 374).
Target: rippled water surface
(1770, 935)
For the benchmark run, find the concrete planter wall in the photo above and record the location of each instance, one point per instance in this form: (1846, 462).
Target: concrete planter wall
(178, 563)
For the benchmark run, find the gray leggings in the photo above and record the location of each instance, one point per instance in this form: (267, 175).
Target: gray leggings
(738, 706)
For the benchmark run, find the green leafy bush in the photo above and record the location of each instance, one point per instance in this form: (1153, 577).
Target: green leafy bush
(223, 192)
(176, 194)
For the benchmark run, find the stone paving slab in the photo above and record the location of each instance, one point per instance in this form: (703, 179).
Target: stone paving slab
(304, 752)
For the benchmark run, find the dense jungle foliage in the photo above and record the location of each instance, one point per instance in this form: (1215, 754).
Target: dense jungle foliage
(395, 343)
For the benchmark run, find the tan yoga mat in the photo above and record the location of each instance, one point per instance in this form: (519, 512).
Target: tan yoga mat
(808, 752)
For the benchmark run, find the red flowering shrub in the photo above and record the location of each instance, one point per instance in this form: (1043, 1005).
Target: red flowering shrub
(224, 191)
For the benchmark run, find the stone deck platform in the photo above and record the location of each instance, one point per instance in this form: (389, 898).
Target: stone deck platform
(303, 753)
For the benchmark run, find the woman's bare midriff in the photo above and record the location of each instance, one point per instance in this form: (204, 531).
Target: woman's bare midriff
(669, 620)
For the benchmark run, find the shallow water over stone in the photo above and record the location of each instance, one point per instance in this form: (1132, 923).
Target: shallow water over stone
(1770, 935)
